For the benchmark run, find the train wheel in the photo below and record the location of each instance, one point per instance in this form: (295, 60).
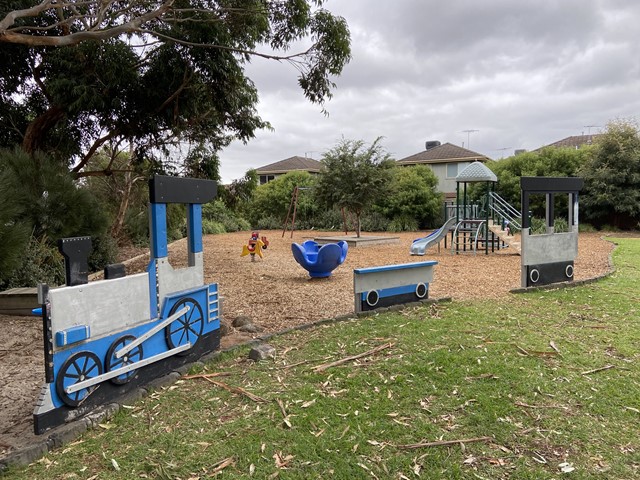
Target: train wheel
(188, 327)
(77, 368)
(132, 356)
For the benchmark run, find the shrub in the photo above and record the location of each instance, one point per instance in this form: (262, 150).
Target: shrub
(403, 224)
(104, 252)
(218, 212)
(268, 223)
(211, 227)
(41, 263)
(374, 222)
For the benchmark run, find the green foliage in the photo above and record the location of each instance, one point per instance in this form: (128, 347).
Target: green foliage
(104, 251)
(273, 199)
(40, 198)
(413, 201)
(239, 194)
(539, 226)
(211, 227)
(269, 223)
(374, 222)
(549, 162)
(41, 263)
(180, 83)
(217, 212)
(612, 177)
(353, 176)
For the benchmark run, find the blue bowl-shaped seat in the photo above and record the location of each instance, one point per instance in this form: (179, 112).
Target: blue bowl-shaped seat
(318, 260)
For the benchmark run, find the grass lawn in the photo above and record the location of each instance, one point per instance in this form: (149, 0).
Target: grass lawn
(535, 386)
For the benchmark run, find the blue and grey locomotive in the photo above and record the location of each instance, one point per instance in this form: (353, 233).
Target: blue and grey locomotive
(107, 338)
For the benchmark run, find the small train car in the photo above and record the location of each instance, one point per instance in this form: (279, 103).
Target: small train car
(378, 287)
(107, 338)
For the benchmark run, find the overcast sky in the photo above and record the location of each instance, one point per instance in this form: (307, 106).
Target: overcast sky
(521, 73)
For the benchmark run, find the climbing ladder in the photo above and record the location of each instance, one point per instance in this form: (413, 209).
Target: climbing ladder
(465, 236)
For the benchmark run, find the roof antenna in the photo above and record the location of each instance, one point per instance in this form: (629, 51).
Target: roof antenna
(469, 132)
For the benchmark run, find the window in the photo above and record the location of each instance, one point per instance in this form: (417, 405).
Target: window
(266, 179)
(453, 169)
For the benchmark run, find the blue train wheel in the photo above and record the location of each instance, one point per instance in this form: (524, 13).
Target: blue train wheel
(188, 327)
(132, 356)
(77, 368)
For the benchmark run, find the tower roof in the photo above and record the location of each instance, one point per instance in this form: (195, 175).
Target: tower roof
(476, 172)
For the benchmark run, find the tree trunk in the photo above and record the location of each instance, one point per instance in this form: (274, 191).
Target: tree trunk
(357, 225)
(118, 223)
(39, 128)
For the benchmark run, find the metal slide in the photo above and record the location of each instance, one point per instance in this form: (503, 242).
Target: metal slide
(420, 245)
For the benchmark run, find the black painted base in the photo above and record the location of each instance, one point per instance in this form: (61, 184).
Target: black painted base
(548, 273)
(392, 300)
(108, 392)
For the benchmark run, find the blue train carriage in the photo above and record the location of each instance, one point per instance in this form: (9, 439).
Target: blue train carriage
(107, 338)
(378, 287)
(549, 258)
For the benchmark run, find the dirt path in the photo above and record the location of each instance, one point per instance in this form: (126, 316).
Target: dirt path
(276, 293)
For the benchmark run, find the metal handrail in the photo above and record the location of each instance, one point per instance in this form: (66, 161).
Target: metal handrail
(505, 210)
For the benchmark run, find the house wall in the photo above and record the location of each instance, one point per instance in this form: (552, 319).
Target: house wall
(447, 184)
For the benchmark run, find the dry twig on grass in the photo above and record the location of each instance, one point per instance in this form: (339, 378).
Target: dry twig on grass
(439, 443)
(595, 370)
(221, 465)
(238, 390)
(325, 366)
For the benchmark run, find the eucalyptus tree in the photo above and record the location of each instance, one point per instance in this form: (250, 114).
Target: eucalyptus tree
(81, 75)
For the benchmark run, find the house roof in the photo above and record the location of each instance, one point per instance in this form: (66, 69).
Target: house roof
(445, 153)
(476, 172)
(576, 141)
(291, 164)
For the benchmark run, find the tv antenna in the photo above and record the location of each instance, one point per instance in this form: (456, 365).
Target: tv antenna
(590, 127)
(469, 132)
(502, 150)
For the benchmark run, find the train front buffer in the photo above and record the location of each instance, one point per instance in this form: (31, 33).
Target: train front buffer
(105, 339)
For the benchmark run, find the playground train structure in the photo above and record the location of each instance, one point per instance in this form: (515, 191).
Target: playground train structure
(104, 339)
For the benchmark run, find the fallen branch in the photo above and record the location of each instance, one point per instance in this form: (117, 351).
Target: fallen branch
(439, 443)
(207, 375)
(521, 350)
(325, 366)
(238, 390)
(589, 372)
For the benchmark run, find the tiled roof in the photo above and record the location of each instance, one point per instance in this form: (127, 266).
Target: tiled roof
(575, 141)
(476, 172)
(444, 153)
(290, 164)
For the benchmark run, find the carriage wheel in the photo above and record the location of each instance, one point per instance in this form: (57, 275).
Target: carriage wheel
(188, 327)
(132, 356)
(77, 368)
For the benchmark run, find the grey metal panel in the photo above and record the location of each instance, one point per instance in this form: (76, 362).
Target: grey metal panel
(393, 278)
(171, 280)
(550, 248)
(98, 304)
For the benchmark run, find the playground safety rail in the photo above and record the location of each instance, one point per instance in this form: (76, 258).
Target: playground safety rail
(505, 210)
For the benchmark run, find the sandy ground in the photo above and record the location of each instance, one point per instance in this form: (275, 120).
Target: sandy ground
(276, 293)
